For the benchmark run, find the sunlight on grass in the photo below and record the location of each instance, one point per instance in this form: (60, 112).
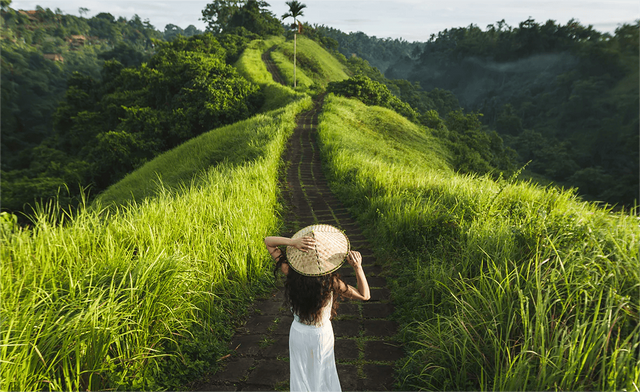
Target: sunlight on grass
(315, 66)
(142, 295)
(498, 284)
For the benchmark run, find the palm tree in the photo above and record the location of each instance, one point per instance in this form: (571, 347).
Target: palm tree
(295, 10)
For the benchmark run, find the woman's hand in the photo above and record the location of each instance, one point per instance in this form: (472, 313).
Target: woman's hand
(303, 243)
(355, 259)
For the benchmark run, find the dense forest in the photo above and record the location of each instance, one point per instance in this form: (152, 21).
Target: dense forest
(52, 67)
(565, 97)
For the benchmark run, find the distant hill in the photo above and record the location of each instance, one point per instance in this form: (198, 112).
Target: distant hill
(565, 97)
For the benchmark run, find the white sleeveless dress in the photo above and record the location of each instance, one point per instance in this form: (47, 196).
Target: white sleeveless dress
(312, 362)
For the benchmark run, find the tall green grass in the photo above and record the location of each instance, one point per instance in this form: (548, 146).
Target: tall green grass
(498, 284)
(143, 295)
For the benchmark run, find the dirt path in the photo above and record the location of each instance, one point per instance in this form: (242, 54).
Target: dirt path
(271, 66)
(364, 346)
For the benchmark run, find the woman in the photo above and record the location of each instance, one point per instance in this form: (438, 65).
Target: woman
(312, 289)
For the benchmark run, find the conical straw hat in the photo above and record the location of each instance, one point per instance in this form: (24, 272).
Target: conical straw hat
(328, 254)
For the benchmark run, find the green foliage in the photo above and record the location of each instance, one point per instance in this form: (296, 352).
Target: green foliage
(371, 93)
(172, 31)
(108, 128)
(241, 17)
(179, 94)
(498, 285)
(255, 18)
(441, 101)
(33, 166)
(295, 10)
(575, 86)
(126, 54)
(474, 150)
(379, 52)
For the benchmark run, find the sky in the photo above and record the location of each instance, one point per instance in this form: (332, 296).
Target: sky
(411, 20)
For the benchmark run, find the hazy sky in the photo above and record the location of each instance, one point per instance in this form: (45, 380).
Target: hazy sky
(413, 20)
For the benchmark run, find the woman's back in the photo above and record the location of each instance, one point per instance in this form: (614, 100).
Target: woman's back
(325, 315)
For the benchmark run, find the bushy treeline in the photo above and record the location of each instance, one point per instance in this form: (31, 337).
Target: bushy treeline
(105, 128)
(565, 97)
(379, 52)
(249, 17)
(41, 50)
(47, 55)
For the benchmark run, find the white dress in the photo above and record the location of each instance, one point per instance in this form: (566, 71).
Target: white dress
(312, 362)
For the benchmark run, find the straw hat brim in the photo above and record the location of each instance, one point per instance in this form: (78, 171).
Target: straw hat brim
(329, 253)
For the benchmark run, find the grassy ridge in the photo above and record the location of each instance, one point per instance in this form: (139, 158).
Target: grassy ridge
(498, 284)
(177, 168)
(314, 64)
(143, 295)
(276, 95)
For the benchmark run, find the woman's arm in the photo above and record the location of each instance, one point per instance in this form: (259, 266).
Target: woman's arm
(302, 243)
(362, 292)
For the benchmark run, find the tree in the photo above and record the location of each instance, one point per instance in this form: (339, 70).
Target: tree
(240, 17)
(218, 14)
(83, 11)
(172, 31)
(295, 10)
(254, 18)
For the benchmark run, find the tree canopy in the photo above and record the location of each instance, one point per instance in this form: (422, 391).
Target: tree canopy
(241, 17)
(111, 121)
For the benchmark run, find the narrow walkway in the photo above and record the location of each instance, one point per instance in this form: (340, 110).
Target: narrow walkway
(271, 66)
(364, 347)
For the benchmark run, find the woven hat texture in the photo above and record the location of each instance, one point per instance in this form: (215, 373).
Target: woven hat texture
(328, 254)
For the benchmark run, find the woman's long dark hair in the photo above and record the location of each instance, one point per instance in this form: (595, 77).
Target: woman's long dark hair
(307, 295)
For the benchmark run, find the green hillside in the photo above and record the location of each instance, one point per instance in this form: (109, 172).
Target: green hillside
(498, 284)
(314, 64)
(563, 96)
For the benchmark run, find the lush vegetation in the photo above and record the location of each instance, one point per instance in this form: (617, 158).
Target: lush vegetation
(143, 296)
(105, 128)
(53, 67)
(32, 85)
(498, 284)
(379, 52)
(371, 92)
(136, 113)
(315, 65)
(246, 18)
(565, 97)
(473, 149)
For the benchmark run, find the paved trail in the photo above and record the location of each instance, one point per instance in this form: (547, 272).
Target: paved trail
(364, 348)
